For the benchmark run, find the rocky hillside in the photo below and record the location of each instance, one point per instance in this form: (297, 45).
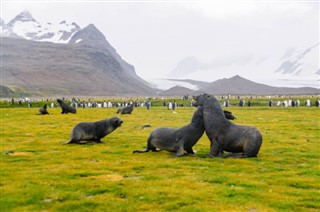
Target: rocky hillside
(86, 65)
(63, 59)
(40, 68)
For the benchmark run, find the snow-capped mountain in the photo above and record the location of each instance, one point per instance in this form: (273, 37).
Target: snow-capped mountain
(25, 26)
(299, 63)
(165, 84)
(74, 61)
(292, 67)
(2, 24)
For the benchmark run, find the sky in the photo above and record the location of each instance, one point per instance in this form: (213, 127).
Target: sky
(200, 40)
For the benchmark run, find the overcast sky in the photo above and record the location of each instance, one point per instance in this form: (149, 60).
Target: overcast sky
(219, 38)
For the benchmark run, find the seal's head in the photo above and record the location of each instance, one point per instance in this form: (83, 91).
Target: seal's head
(116, 122)
(229, 115)
(200, 99)
(60, 101)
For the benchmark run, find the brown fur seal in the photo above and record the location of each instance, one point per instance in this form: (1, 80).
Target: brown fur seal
(225, 135)
(94, 131)
(66, 108)
(176, 140)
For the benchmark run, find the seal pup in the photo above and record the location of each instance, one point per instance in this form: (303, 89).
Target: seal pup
(229, 115)
(179, 140)
(66, 108)
(43, 110)
(94, 131)
(225, 135)
(126, 109)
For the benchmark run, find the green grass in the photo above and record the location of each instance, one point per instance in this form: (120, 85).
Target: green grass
(38, 173)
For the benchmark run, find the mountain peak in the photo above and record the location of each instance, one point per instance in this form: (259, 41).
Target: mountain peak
(25, 26)
(2, 21)
(91, 27)
(24, 16)
(90, 34)
(2, 24)
(236, 77)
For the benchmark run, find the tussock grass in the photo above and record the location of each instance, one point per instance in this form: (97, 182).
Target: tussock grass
(39, 173)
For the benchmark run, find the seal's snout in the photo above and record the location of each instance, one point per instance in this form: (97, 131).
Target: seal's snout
(120, 123)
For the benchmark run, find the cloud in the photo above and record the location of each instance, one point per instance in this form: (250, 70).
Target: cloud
(222, 10)
(158, 38)
(191, 64)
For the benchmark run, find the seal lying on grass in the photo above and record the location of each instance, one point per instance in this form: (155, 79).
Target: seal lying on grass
(43, 110)
(94, 131)
(228, 115)
(126, 110)
(66, 108)
(225, 135)
(176, 140)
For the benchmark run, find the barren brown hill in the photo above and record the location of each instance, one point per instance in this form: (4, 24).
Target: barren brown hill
(88, 65)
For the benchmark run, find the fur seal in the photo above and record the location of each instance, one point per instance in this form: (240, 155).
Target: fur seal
(66, 108)
(179, 140)
(94, 131)
(126, 109)
(229, 115)
(43, 110)
(225, 135)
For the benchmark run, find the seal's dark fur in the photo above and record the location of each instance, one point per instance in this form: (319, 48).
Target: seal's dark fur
(126, 110)
(228, 115)
(66, 108)
(94, 131)
(177, 140)
(43, 110)
(225, 135)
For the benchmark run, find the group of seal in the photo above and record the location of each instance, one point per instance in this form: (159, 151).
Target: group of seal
(65, 108)
(225, 135)
(87, 131)
(209, 117)
(181, 140)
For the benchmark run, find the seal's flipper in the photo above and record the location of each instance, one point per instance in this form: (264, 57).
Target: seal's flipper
(73, 142)
(234, 155)
(141, 151)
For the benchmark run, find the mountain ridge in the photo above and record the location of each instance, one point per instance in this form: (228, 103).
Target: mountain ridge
(26, 27)
(236, 85)
(83, 62)
(75, 70)
(74, 61)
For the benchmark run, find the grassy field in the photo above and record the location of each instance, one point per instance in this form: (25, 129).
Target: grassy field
(39, 173)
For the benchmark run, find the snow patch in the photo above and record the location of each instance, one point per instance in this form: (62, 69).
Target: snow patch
(164, 84)
(24, 26)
